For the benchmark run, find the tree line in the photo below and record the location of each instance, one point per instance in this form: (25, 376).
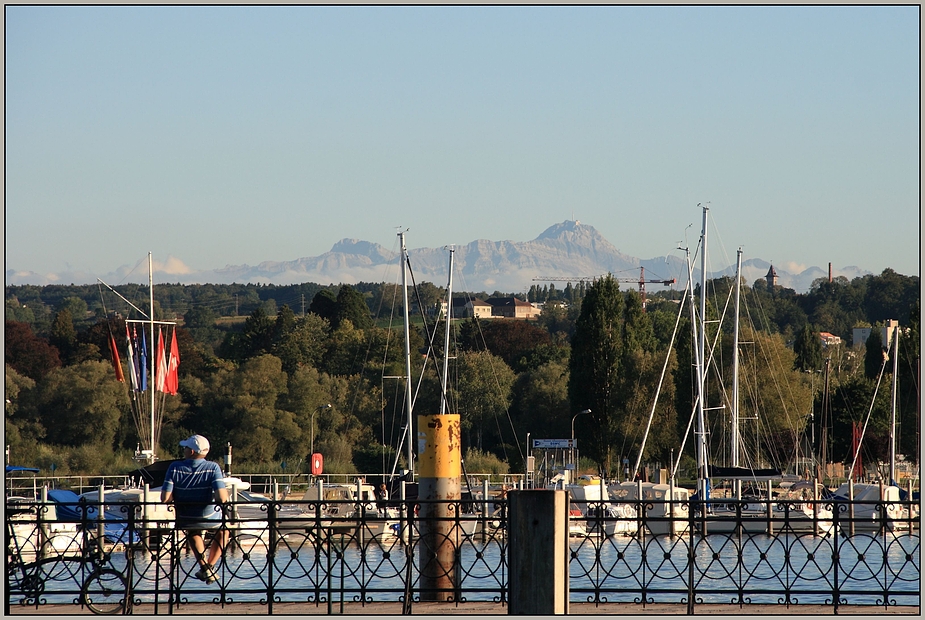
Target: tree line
(260, 364)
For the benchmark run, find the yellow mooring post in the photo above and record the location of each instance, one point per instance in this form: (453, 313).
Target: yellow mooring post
(439, 466)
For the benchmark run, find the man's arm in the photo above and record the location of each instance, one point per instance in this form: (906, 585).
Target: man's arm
(167, 488)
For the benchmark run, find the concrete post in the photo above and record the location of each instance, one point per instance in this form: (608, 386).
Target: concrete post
(538, 552)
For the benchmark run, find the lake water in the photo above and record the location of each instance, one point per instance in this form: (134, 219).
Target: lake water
(758, 568)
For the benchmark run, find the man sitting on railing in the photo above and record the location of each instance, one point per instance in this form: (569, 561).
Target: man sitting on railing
(193, 484)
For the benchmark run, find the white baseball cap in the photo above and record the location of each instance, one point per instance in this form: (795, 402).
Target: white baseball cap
(196, 443)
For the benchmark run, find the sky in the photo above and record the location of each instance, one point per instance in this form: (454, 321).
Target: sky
(235, 135)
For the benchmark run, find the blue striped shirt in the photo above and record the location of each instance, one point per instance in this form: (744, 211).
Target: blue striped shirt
(193, 483)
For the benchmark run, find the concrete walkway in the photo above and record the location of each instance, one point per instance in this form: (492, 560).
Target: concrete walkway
(437, 610)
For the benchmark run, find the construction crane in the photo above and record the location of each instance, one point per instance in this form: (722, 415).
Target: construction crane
(641, 281)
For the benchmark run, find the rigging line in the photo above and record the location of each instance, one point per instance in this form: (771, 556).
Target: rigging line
(430, 336)
(658, 390)
(484, 344)
(780, 366)
(867, 420)
(687, 432)
(120, 296)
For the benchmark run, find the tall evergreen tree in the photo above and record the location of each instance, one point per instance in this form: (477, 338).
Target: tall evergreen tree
(324, 304)
(351, 305)
(808, 349)
(63, 335)
(874, 355)
(594, 369)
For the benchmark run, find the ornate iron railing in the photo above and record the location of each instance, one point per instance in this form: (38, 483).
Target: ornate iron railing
(333, 553)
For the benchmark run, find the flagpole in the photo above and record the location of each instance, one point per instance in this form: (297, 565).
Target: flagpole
(151, 317)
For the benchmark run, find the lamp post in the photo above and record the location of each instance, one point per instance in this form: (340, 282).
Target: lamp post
(572, 458)
(312, 445)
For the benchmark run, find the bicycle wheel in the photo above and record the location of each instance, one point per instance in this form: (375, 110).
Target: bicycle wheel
(104, 592)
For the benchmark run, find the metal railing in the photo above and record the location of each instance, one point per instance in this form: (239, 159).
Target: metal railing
(332, 553)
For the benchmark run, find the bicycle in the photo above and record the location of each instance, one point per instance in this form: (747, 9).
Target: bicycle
(103, 591)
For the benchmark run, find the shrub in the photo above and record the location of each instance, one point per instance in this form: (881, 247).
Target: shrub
(478, 462)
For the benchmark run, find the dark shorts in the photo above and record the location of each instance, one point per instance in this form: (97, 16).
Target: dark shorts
(198, 524)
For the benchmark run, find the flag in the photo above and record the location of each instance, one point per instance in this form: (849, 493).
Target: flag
(161, 362)
(143, 361)
(172, 380)
(116, 362)
(132, 366)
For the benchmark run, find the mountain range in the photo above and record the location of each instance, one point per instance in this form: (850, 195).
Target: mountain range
(566, 250)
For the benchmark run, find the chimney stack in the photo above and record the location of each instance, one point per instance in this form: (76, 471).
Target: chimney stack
(830, 272)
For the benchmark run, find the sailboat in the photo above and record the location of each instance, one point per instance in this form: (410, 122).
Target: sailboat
(873, 506)
(755, 515)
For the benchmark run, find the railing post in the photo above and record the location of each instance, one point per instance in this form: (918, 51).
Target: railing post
(771, 509)
(100, 523)
(538, 552)
(851, 506)
(691, 519)
(815, 508)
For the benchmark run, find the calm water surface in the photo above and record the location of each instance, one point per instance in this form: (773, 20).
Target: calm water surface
(618, 568)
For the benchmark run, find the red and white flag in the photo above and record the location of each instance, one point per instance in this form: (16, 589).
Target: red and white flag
(161, 363)
(172, 380)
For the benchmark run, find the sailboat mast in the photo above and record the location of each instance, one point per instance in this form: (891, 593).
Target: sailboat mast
(893, 406)
(446, 344)
(404, 288)
(701, 369)
(823, 447)
(735, 366)
(151, 357)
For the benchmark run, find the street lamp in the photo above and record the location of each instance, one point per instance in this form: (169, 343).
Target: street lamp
(312, 448)
(573, 434)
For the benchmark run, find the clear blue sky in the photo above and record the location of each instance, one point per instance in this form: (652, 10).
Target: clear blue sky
(230, 135)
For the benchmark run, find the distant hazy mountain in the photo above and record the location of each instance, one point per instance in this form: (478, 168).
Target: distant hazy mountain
(567, 250)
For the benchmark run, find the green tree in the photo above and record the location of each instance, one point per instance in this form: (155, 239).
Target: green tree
(80, 404)
(594, 368)
(303, 345)
(241, 408)
(482, 395)
(874, 355)
(19, 428)
(541, 400)
(255, 339)
(776, 396)
(512, 340)
(285, 323)
(351, 306)
(63, 335)
(324, 304)
(807, 349)
(346, 350)
(198, 318)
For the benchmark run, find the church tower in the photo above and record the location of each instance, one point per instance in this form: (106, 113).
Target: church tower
(771, 278)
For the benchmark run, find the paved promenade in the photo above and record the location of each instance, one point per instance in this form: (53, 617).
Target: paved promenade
(436, 610)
